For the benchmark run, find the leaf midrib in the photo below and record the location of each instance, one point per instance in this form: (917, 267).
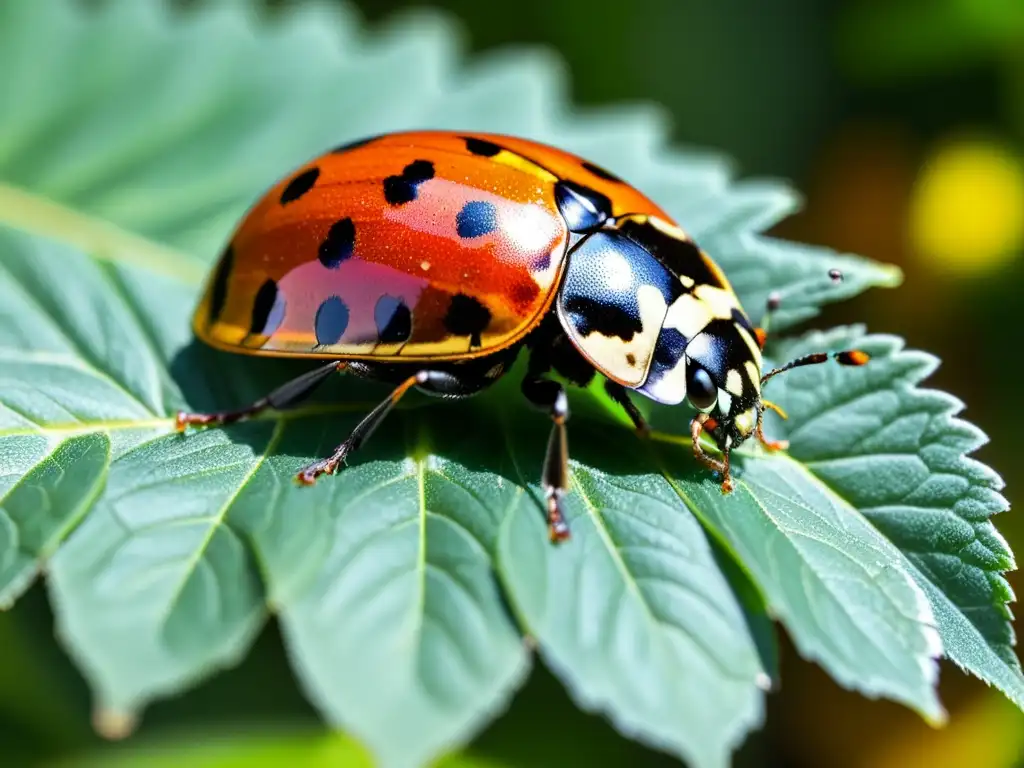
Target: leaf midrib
(791, 535)
(633, 587)
(215, 522)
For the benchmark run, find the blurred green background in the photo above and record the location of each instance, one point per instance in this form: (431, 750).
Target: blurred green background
(902, 121)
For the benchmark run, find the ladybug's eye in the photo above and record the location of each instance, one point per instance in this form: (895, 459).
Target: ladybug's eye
(700, 390)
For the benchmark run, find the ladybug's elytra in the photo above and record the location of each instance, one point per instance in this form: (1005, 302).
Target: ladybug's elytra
(430, 259)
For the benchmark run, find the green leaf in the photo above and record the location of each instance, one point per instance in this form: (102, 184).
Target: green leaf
(135, 137)
(842, 590)
(636, 614)
(57, 485)
(899, 454)
(403, 601)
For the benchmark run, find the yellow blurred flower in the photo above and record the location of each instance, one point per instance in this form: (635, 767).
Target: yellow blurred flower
(967, 207)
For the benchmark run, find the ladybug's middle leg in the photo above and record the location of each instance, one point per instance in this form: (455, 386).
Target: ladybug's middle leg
(435, 382)
(550, 396)
(697, 427)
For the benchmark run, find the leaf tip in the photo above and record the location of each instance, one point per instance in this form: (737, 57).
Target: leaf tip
(114, 724)
(936, 715)
(890, 276)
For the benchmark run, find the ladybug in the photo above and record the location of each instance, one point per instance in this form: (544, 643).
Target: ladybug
(430, 259)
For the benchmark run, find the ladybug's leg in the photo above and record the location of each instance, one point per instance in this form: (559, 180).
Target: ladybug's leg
(435, 381)
(288, 394)
(696, 429)
(550, 396)
(771, 445)
(618, 393)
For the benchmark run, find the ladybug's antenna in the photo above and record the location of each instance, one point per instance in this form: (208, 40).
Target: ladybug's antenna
(846, 357)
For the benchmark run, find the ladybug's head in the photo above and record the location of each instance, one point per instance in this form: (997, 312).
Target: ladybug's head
(720, 373)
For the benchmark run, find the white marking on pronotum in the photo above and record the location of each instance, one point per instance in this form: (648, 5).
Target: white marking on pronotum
(611, 353)
(688, 316)
(670, 387)
(751, 342)
(754, 374)
(744, 422)
(733, 382)
(724, 401)
(720, 302)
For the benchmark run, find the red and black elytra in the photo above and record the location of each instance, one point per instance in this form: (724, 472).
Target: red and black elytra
(430, 259)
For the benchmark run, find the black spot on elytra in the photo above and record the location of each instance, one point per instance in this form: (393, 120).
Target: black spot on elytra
(354, 144)
(393, 319)
(219, 289)
(476, 218)
(582, 208)
(418, 171)
(339, 243)
(467, 317)
(593, 315)
(481, 147)
(601, 173)
(402, 189)
(331, 320)
(300, 185)
(267, 310)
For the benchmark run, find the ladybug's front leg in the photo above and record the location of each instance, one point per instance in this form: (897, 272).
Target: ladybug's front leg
(550, 396)
(722, 467)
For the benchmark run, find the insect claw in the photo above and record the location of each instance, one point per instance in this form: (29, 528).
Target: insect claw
(308, 475)
(558, 532)
(773, 445)
(558, 529)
